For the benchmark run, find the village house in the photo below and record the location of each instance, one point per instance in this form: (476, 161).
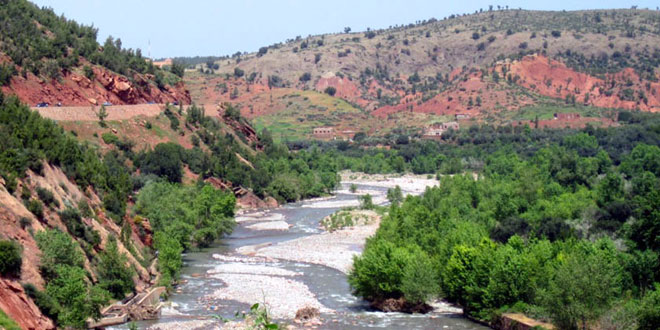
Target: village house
(436, 130)
(323, 132)
(567, 116)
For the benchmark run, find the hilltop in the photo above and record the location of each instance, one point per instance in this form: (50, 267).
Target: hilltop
(45, 58)
(486, 66)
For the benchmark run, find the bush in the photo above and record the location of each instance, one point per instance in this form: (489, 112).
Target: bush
(25, 222)
(330, 91)
(366, 202)
(89, 73)
(238, 72)
(305, 77)
(46, 196)
(109, 138)
(10, 258)
(36, 207)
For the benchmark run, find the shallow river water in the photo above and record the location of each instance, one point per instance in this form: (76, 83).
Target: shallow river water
(329, 285)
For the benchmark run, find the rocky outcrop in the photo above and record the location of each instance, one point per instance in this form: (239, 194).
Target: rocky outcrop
(16, 304)
(13, 299)
(400, 305)
(75, 89)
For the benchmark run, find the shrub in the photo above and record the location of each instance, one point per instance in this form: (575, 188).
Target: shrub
(10, 258)
(36, 207)
(556, 33)
(305, 77)
(25, 222)
(366, 202)
(238, 72)
(109, 138)
(46, 196)
(89, 73)
(330, 91)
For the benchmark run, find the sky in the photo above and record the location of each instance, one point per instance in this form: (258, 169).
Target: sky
(169, 28)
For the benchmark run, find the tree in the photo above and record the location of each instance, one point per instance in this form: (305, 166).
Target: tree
(419, 282)
(10, 258)
(178, 69)
(305, 77)
(648, 314)
(77, 300)
(582, 288)
(169, 256)
(57, 249)
(347, 30)
(394, 195)
(102, 115)
(330, 90)
(366, 202)
(113, 273)
(165, 161)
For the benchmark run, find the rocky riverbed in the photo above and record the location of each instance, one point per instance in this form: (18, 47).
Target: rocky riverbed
(283, 259)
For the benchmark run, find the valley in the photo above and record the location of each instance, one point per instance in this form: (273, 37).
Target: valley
(498, 168)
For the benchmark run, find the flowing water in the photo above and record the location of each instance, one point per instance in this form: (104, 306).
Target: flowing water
(191, 302)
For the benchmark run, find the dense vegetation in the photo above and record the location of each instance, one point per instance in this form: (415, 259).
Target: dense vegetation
(40, 42)
(182, 217)
(559, 224)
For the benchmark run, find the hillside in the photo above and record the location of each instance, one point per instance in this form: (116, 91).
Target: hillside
(486, 65)
(48, 58)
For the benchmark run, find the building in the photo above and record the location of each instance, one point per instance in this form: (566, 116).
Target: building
(436, 130)
(567, 116)
(323, 132)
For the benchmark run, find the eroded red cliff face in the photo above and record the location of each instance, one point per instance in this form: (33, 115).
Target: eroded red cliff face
(75, 89)
(551, 78)
(13, 300)
(16, 304)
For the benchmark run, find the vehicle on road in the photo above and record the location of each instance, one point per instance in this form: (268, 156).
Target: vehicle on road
(107, 104)
(42, 105)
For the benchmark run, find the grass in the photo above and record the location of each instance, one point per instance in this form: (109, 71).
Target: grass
(7, 323)
(547, 111)
(305, 110)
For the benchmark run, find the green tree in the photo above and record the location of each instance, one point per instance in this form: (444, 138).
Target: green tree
(10, 258)
(78, 301)
(113, 272)
(57, 249)
(582, 288)
(648, 315)
(102, 115)
(395, 195)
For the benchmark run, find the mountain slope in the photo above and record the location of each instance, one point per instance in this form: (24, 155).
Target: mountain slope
(443, 68)
(46, 58)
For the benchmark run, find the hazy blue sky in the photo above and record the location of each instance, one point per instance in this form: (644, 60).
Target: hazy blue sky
(220, 27)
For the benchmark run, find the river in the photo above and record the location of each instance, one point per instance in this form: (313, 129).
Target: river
(212, 275)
